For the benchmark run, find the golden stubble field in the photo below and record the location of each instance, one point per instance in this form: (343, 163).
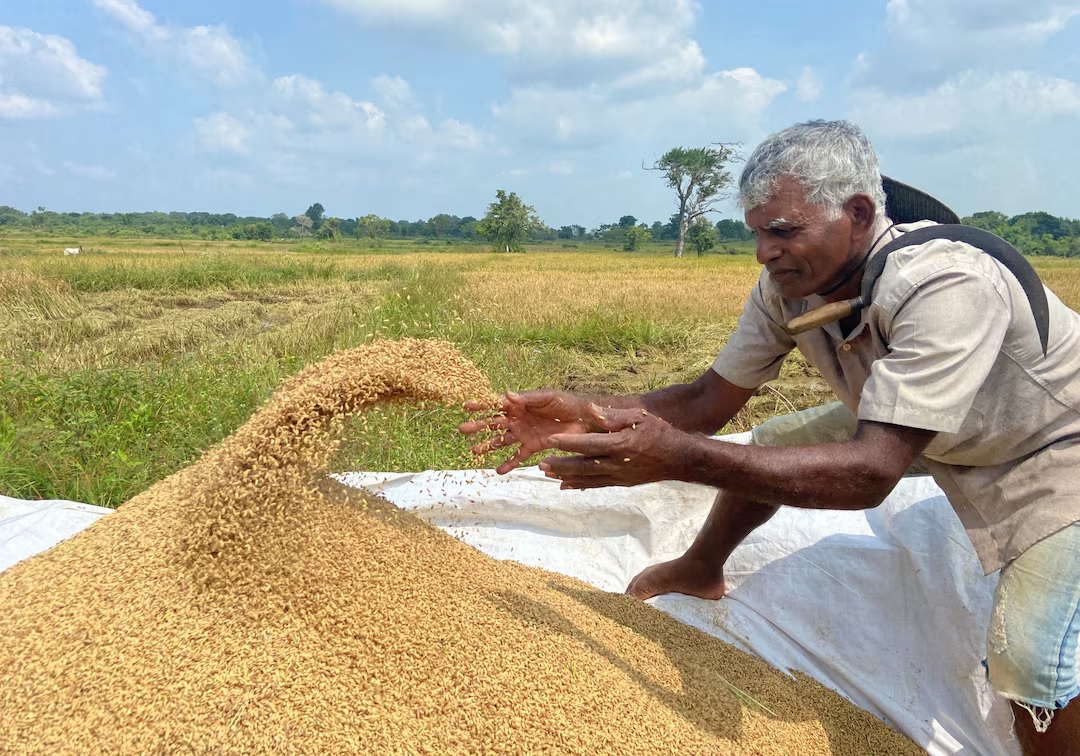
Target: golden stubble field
(147, 302)
(129, 359)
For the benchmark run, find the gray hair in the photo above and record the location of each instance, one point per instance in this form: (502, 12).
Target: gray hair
(831, 160)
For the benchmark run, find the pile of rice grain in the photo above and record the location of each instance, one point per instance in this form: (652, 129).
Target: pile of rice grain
(249, 604)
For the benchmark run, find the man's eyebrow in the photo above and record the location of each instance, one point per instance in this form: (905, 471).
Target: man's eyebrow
(778, 222)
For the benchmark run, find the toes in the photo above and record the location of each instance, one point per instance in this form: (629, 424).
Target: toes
(640, 588)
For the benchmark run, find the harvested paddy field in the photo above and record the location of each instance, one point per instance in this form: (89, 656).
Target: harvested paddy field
(130, 359)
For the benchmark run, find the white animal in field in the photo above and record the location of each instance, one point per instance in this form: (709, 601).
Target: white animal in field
(72, 251)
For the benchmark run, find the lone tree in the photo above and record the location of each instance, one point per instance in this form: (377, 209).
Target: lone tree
(330, 229)
(702, 236)
(636, 238)
(302, 225)
(699, 176)
(372, 226)
(508, 222)
(315, 212)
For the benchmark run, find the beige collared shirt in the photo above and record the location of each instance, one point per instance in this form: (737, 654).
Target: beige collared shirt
(948, 344)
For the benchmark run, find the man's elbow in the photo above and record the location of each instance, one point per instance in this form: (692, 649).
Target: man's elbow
(712, 401)
(876, 483)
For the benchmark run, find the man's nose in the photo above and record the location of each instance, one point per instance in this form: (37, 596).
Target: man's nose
(768, 250)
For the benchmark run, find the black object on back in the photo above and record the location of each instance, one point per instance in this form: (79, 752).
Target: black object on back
(906, 204)
(992, 245)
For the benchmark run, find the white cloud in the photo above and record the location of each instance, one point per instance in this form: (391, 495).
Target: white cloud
(215, 55)
(583, 75)
(308, 130)
(42, 76)
(932, 41)
(96, 172)
(319, 111)
(1010, 22)
(293, 126)
(210, 52)
(20, 107)
(971, 104)
(460, 135)
(132, 16)
(394, 92)
(684, 66)
(553, 41)
(719, 106)
(222, 132)
(809, 86)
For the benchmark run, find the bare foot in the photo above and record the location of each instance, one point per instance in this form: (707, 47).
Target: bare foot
(687, 575)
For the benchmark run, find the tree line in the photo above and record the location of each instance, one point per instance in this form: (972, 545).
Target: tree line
(699, 177)
(1033, 233)
(314, 224)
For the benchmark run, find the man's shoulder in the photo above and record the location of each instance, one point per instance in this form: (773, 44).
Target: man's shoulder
(921, 262)
(941, 249)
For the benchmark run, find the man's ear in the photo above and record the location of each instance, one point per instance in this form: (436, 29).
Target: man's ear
(863, 212)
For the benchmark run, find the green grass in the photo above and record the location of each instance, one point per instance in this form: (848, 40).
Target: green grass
(211, 271)
(102, 435)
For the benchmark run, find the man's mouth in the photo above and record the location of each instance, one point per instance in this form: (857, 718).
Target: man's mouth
(782, 275)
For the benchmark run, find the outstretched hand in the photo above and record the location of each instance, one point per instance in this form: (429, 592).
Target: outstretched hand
(529, 420)
(636, 447)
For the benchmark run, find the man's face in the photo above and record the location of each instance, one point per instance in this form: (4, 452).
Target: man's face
(804, 252)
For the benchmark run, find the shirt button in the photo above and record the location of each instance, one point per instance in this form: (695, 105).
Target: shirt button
(846, 347)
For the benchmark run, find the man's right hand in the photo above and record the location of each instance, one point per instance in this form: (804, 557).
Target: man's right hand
(529, 419)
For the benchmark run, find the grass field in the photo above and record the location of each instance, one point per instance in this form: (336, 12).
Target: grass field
(122, 364)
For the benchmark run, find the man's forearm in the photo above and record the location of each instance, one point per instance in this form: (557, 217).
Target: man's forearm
(824, 476)
(683, 405)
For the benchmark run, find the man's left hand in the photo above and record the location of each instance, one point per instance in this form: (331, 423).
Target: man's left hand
(637, 448)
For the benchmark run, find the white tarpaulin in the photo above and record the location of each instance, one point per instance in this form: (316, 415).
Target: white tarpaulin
(887, 606)
(27, 527)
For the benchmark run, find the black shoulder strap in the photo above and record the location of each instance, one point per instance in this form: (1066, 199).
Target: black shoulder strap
(995, 246)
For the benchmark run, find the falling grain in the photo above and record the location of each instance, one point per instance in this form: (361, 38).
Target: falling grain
(250, 604)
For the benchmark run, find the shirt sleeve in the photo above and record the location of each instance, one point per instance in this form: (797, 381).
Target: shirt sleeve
(756, 350)
(945, 335)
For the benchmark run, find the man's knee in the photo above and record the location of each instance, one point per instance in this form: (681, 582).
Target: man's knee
(1034, 628)
(827, 423)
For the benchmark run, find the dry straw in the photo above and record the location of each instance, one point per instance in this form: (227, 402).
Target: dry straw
(249, 604)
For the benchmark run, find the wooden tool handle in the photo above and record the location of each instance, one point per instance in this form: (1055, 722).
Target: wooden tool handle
(819, 316)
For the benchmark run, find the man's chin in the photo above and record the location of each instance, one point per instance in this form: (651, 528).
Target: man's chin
(794, 288)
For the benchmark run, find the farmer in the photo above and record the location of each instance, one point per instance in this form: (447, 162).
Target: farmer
(944, 367)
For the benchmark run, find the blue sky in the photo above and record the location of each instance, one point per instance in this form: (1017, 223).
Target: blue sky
(408, 108)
